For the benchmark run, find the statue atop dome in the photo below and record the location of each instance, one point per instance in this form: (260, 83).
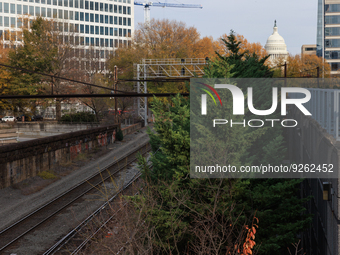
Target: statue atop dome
(276, 47)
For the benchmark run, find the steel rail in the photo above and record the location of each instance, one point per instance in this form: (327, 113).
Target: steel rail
(69, 191)
(67, 238)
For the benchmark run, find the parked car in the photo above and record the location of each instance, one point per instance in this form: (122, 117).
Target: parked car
(37, 118)
(8, 118)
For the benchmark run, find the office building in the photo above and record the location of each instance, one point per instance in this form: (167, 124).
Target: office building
(100, 26)
(328, 33)
(308, 49)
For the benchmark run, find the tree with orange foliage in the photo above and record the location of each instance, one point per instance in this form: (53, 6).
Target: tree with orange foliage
(163, 39)
(5, 80)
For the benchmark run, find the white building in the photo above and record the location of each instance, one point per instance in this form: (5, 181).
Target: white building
(102, 25)
(276, 47)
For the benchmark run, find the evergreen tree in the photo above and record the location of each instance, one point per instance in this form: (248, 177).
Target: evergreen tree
(182, 205)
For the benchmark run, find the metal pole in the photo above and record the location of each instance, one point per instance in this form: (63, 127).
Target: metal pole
(145, 99)
(285, 73)
(115, 79)
(138, 91)
(318, 75)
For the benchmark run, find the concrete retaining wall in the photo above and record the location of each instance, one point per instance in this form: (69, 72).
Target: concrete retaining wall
(26, 159)
(309, 143)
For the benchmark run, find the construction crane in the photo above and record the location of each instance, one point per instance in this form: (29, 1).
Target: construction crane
(159, 4)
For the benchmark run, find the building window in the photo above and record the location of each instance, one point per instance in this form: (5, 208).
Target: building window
(81, 4)
(43, 11)
(65, 14)
(71, 15)
(111, 7)
(116, 20)
(13, 8)
(91, 17)
(120, 21)
(119, 9)
(92, 41)
(55, 13)
(129, 10)
(66, 3)
(91, 6)
(97, 30)
(6, 21)
(101, 18)
(81, 16)
(86, 5)
(60, 14)
(81, 28)
(115, 9)
(76, 3)
(106, 19)
(70, 3)
(37, 11)
(111, 19)
(92, 29)
(111, 31)
(124, 9)
(97, 18)
(335, 66)
(87, 17)
(87, 29)
(129, 22)
(116, 31)
(334, 19)
(76, 16)
(97, 41)
(106, 31)
(124, 21)
(101, 30)
(96, 6)
(6, 8)
(19, 9)
(32, 10)
(13, 22)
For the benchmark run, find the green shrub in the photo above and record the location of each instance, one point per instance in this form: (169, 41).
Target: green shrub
(119, 135)
(79, 117)
(47, 175)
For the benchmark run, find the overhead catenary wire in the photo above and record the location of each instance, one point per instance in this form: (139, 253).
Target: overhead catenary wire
(94, 85)
(91, 95)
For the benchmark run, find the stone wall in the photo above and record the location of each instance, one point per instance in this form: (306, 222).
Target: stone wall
(26, 159)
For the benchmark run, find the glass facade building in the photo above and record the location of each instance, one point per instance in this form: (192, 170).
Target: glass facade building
(100, 25)
(328, 33)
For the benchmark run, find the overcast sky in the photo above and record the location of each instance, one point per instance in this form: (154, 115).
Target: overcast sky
(254, 19)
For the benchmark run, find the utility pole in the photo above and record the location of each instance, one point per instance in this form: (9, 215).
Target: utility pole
(115, 80)
(285, 73)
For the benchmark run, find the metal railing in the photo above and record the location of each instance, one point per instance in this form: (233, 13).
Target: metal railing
(324, 106)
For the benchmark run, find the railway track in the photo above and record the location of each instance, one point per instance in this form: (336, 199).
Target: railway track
(17, 231)
(79, 237)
